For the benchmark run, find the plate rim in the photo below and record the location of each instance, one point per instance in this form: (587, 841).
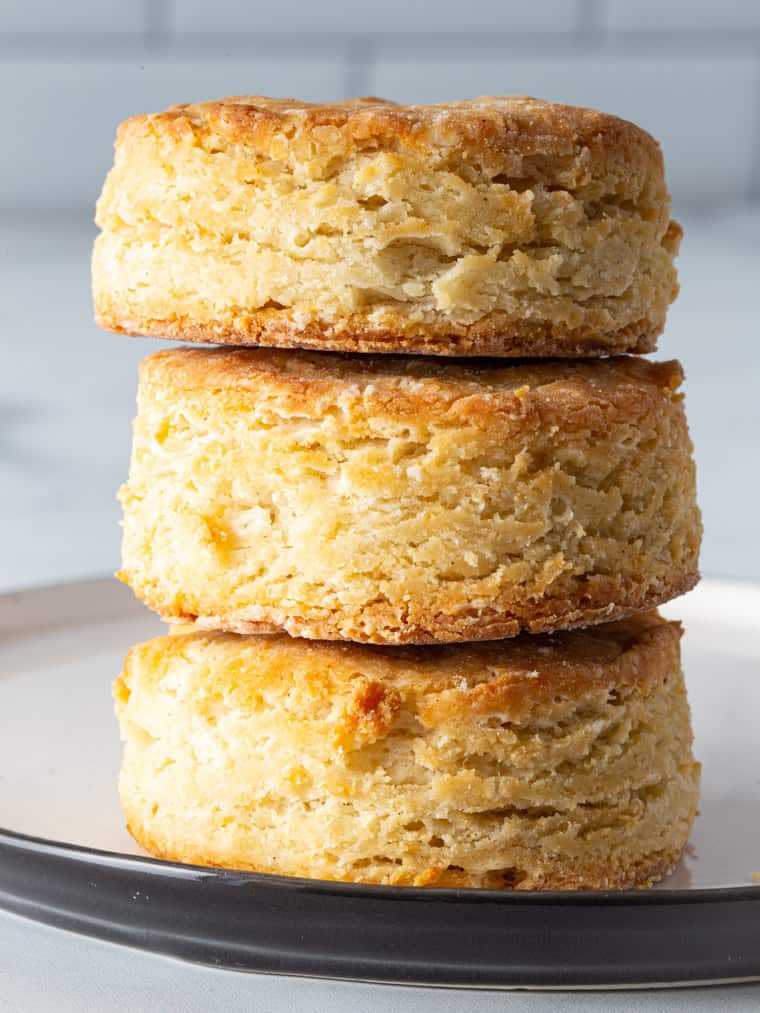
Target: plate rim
(182, 870)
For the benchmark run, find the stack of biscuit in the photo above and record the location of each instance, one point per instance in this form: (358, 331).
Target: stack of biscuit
(411, 522)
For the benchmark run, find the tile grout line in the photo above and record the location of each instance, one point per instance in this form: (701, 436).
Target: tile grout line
(590, 30)
(358, 70)
(158, 23)
(753, 192)
(591, 27)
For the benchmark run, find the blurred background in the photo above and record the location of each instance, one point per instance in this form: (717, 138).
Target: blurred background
(686, 70)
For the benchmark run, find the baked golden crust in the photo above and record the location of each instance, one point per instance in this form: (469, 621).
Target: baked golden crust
(498, 335)
(505, 129)
(380, 624)
(406, 500)
(429, 766)
(500, 226)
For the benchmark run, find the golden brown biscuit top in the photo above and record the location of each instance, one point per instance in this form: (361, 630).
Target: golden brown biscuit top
(358, 691)
(573, 392)
(526, 138)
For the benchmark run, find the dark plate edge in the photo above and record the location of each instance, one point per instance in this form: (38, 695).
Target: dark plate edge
(457, 938)
(148, 865)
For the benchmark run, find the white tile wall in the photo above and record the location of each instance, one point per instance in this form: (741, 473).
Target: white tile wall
(687, 70)
(73, 17)
(698, 108)
(682, 15)
(397, 16)
(59, 138)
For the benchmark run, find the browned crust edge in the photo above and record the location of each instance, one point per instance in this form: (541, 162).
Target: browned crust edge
(645, 648)
(547, 616)
(493, 125)
(575, 394)
(493, 335)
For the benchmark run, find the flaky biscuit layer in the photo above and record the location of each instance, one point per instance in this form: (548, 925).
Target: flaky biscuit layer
(548, 762)
(406, 500)
(499, 226)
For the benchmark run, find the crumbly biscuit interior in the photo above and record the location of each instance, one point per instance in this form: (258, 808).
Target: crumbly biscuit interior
(380, 231)
(243, 752)
(377, 522)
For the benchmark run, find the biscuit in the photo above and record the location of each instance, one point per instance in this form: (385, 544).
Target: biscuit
(497, 226)
(394, 500)
(560, 761)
